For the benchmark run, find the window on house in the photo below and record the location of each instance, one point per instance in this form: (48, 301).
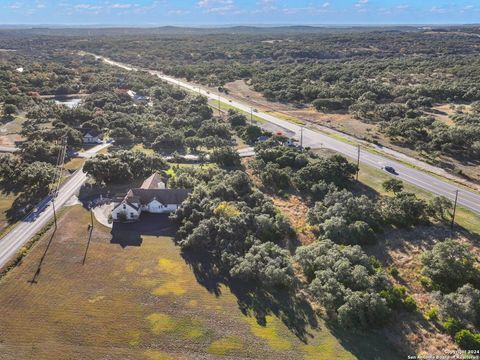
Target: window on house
(132, 215)
(124, 206)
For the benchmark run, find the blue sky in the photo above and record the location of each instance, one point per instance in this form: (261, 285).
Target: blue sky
(229, 12)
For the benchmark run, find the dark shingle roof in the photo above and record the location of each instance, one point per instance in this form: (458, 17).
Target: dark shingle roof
(165, 196)
(152, 181)
(92, 132)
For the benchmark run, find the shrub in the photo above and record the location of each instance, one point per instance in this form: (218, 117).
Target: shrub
(463, 305)
(394, 271)
(467, 340)
(409, 303)
(450, 264)
(394, 296)
(426, 282)
(432, 314)
(393, 185)
(452, 326)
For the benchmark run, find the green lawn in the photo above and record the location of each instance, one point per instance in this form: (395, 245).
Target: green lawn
(143, 149)
(285, 117)
(374, 178)
(228, 106)
(172, 170)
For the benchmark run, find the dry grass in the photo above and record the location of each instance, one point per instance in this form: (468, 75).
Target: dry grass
(296, 211)
(6, 202)
(347, 124)
(403, 249)
(396, 247)
(75, 163)
(10, 132)
(137, 302)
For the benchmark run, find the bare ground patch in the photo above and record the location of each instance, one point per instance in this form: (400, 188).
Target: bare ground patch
(403, 248)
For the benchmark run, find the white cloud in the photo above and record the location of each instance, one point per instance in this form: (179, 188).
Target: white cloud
(438, 10)
(218, 6)
(121, 6)
(15, 5)
(361, 5)
(179, 12)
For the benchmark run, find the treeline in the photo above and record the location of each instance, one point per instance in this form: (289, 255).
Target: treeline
(236, 227)
(165, 119)
(392, 79)
(234, 223)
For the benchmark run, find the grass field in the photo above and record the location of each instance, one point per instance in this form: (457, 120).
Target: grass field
(137, 298)
(75, 163)
(374, 178)
(10, 131)
(226, 106)
(6, 202)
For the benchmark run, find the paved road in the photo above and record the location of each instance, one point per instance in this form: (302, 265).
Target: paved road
(13, 241)
(8, 149)
(315, 139)
(93, 151)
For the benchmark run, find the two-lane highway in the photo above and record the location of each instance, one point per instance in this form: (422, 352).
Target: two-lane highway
(315, 139)
(13, 241)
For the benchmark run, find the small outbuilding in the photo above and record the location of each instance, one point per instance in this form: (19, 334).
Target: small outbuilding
(90, 136)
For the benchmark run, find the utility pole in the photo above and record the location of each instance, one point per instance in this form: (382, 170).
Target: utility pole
(91, 215)
(54, 212)
(454, 209)
(219, 110)
(251, 116)
(358, 162)
(301, 137)
(58, 176)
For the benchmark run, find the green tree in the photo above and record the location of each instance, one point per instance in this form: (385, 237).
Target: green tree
(450, 264)
(393, 185)
(225, 157)
(404, 210)
(467, 340)
(267, 263)
(440, 208)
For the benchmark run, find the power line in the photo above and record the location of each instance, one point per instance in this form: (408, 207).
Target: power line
(57, 179)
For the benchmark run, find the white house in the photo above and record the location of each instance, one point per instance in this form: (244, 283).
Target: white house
(152, 197)
(90, 136)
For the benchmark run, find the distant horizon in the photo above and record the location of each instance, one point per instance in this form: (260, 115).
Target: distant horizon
(226, 26)
(214, 13)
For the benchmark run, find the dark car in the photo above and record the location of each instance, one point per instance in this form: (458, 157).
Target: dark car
(390, 169)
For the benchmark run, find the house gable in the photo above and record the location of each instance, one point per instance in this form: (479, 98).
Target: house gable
(149, 198)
